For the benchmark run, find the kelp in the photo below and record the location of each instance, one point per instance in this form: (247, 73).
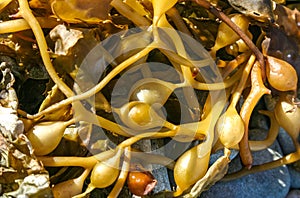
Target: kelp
(112, 72)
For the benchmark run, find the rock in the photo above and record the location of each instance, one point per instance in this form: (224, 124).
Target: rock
(160, 172)
(288, 147)
(220, 153)
(273, 183)
(293, 194)
(163, 181)
(285, 142)
(259, 120)
(295, 176)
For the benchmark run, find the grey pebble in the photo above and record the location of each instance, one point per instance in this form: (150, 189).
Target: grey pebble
(257, 119)
(295, 177)
(160, 172)
(293, 194)
(288, 147)
(273, 183)
(220, 153)
(285, 142)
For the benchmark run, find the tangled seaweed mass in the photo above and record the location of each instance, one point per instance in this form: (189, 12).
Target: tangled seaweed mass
(96, 95)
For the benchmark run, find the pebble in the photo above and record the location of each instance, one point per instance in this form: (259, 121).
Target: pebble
(220, 153)
(160, 172)
(288, 147)
(274, 183)
(295, 177)
(285, 142)
(259, 120)
(293, 194)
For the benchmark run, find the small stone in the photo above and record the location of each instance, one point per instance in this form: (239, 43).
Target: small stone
(285, 142)
(220, 153)
(160, 172)
(273, 183)
(257, 119)
(288, 147)
(163, 181)
(295, 176)
(293, 194)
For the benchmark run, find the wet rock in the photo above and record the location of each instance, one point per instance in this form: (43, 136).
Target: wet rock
(285, 142)
(220, 153)
(288, 147)
(295, 176)
(274, 183)
(293, 194)
(160, 172)
(259, 120)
